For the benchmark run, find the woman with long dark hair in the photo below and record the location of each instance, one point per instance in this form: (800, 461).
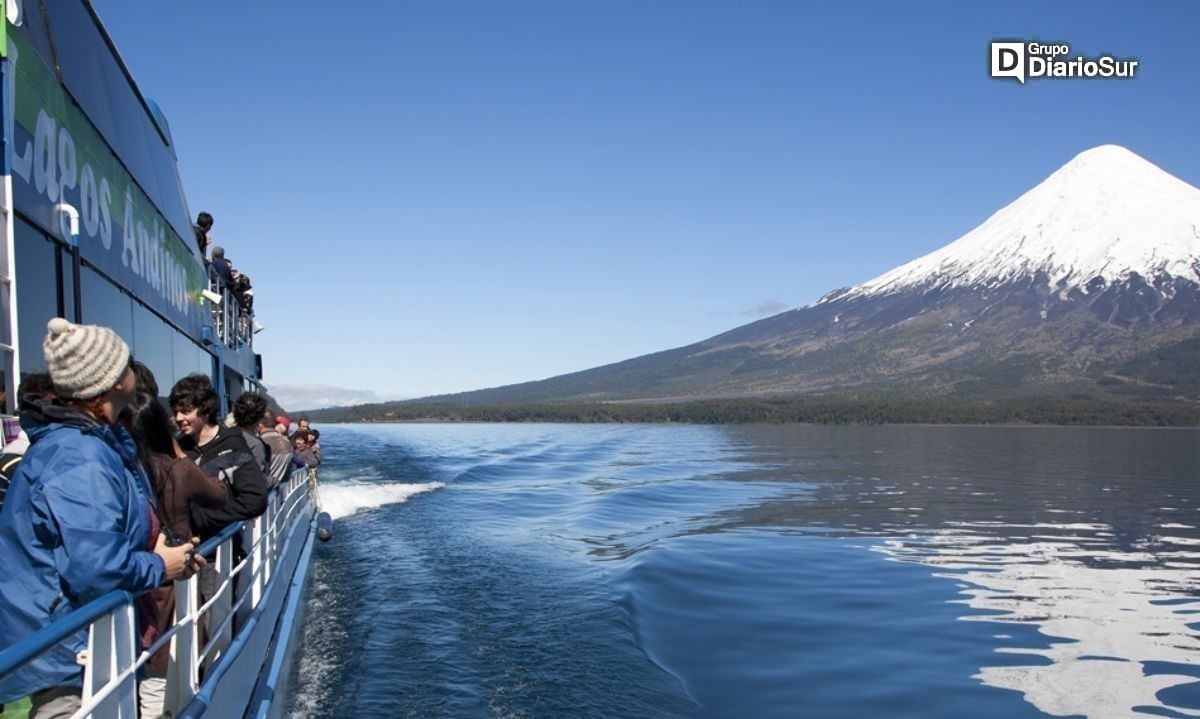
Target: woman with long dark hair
(178, 483)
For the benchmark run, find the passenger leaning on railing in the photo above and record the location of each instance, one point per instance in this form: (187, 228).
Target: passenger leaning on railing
(220, 451)
(280, 460)
(222, 267)
(314, 443)
(242, 290)
(303, 455)
(178, 485)
(247, 411)
(301, 426)
(204, 223)
(79, 518)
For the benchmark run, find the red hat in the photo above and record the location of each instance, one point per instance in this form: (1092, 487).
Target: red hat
(281, 419)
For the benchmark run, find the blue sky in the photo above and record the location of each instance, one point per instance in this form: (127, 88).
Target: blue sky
(443, 196)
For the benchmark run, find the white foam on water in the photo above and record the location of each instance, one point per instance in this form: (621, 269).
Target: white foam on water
(346, 498)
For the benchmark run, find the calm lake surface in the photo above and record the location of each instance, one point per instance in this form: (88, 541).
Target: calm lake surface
(659, 571)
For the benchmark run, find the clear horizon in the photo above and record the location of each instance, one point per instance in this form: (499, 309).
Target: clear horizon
(452, 196)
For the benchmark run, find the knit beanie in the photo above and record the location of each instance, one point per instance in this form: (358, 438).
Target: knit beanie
(85, 361)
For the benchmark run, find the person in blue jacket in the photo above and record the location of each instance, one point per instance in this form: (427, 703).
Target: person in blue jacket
(77, 520)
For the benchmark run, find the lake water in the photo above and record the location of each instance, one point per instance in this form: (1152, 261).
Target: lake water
(795, 571)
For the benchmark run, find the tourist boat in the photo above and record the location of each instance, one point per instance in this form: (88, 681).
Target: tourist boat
(96, 229)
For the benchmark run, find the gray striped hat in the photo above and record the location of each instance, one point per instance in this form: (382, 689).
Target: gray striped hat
(85, 361)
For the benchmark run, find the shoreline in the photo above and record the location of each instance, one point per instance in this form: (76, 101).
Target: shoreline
(898, 409)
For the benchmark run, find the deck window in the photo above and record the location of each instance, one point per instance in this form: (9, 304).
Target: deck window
(152, 345)
(190, 358)
(104, 304)
(37, 292)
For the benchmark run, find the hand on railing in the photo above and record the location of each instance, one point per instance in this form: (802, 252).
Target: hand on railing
(179, 562)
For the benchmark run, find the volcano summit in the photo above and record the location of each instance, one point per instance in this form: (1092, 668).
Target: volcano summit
(1105, 216)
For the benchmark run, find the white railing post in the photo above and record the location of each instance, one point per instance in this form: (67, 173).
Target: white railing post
(183, 673)
(264, 538)
(127, 648)
(267, 550)
(221, 608)
(101, 655)
(258, 568)
(247, 582)
(279, 509)
(111, 651)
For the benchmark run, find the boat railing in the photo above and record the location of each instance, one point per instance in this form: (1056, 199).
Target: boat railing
(212, 608)
(233, 322)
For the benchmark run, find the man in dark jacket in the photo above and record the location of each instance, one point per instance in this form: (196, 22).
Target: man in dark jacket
(247, 411)
(204, 223)
(220, 451)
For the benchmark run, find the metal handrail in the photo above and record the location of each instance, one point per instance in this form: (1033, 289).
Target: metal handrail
(48, 637)
(234, 324)
(217, 631)
(210, 545)
(204, 696)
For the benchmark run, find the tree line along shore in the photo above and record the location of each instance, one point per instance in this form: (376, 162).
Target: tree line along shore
(1063, 411)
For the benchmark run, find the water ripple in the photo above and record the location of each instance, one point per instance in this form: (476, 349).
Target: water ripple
(649, 571)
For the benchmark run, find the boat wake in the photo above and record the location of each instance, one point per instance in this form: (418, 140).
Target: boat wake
(346, 498)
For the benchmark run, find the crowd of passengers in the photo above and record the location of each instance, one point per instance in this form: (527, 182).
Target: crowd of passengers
(108, 490)
(224, 278)
(219, 266)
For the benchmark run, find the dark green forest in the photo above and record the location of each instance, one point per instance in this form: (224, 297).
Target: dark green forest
(1078, 410)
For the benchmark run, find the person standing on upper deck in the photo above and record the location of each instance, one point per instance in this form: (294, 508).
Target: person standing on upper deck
(204, 223)
(79, 519)
(220, 451)
(222, 266)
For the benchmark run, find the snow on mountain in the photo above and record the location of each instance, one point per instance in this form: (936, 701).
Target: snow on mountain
(1107, 213)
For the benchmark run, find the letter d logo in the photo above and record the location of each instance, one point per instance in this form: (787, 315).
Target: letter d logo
(1008, 60)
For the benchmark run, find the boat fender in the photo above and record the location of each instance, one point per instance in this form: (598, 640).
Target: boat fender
(324, 527)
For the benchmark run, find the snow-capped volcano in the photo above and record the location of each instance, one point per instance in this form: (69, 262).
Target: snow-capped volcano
(1107, 213)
